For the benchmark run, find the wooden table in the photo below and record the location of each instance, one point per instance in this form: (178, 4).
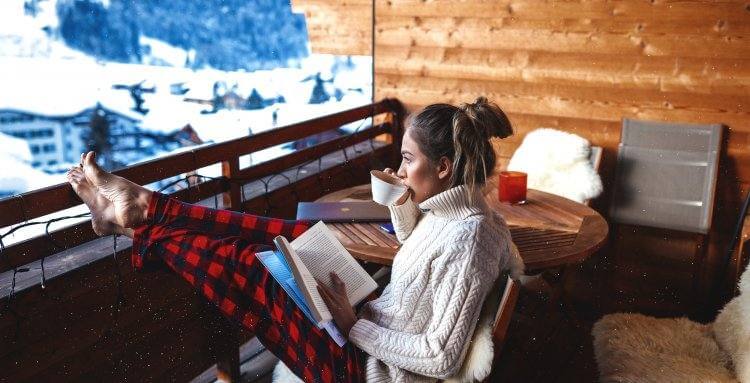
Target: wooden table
(549, 230)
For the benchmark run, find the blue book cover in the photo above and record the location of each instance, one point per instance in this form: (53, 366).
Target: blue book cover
(280, 270)
(276, 265)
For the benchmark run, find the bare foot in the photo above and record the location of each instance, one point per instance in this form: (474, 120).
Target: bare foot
(102, 210)
(129, 199)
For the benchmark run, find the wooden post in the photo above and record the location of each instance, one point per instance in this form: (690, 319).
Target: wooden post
(223, 343)
(228, 357)
(699, 296)
(399, 115)
(232, 198)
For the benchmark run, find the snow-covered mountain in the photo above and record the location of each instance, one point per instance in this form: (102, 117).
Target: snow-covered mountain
(223, 34)
(32, 35)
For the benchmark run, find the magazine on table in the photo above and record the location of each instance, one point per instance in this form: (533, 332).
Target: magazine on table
(315, 254)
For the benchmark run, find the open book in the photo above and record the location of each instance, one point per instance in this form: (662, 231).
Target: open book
(315, 254)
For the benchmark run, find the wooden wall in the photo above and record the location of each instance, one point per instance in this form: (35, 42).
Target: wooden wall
(339, 28)
(579, 66)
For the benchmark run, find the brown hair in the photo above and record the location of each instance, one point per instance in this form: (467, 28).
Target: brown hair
(462, 134)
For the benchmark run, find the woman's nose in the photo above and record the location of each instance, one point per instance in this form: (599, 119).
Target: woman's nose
(401, 173)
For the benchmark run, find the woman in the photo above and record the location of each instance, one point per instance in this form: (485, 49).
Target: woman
(454, 248)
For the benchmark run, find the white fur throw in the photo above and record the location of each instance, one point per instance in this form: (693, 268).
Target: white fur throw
(282, 374)
(732, 329)
(638, 348)
(557, 162)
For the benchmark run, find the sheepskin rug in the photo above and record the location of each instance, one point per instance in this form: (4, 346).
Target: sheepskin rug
(641, 349)
(732, 329)
(557, 162)
(638, 348)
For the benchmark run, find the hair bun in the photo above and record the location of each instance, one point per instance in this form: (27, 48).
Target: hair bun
(488, 118)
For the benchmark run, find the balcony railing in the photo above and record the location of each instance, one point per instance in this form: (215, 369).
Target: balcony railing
(96, 318)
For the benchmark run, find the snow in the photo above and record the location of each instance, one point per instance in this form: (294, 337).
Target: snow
(62, 87)
(22, 36)
(41, 75)
(161, 53)
(16, 156)
(15, 148)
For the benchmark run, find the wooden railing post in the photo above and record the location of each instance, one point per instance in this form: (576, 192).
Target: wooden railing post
(233, 197)
(398, 116)
(228, 362)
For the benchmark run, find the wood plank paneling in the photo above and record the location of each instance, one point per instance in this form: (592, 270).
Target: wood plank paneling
(599, 103)
(338, 27)
(656, 11)
(613, 71)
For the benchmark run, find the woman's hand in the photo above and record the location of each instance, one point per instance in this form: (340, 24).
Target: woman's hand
(408, 192)
(390, 171)
(338, 304)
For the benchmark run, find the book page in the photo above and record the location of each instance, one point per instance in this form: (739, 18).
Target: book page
(321, 252)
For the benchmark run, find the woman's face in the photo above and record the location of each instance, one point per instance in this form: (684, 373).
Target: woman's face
(423, 177)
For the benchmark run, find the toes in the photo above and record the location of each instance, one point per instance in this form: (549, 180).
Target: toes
(75, 176)
(75, 172)
(90, 162)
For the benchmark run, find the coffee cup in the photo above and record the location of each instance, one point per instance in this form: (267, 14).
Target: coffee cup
(386, 189)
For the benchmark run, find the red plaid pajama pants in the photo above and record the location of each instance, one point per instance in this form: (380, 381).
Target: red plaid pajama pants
(214, 250)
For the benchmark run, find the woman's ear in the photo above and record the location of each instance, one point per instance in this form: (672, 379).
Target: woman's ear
(445, 168)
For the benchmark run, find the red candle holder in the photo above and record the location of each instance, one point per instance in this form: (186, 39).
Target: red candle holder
(511, 187)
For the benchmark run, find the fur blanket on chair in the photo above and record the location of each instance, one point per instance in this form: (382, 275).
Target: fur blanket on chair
(557, 162)
(638, 348)
(732, 329)
(635, 348)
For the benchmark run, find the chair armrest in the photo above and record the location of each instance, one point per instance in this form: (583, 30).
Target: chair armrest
(743, 251)
(741, 255)
(505, 313)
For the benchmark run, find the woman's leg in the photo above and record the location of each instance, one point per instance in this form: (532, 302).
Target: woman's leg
(218, 223)
(225, 223)
(226, 271)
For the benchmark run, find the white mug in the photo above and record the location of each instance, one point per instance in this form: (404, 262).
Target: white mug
(386, 189)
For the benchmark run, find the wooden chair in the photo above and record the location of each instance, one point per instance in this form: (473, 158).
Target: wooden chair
(504, 315)
(596, 157)
(740, 257)
(553, 281)
(506, 304)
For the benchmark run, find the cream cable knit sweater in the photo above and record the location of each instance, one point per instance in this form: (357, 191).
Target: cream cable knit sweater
(420, 327)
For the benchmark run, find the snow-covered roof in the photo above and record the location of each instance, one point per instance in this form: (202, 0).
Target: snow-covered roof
(16, 156)
(60, 87)
(15, 147)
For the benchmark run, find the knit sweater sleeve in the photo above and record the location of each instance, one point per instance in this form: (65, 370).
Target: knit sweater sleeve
(438, 350)
(404, 217)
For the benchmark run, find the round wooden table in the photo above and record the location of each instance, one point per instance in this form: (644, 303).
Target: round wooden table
(549, 230)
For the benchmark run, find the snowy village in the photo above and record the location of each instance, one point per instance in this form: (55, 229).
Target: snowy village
(337, 191)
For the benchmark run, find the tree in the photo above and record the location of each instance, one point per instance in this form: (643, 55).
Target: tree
(98, 136)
